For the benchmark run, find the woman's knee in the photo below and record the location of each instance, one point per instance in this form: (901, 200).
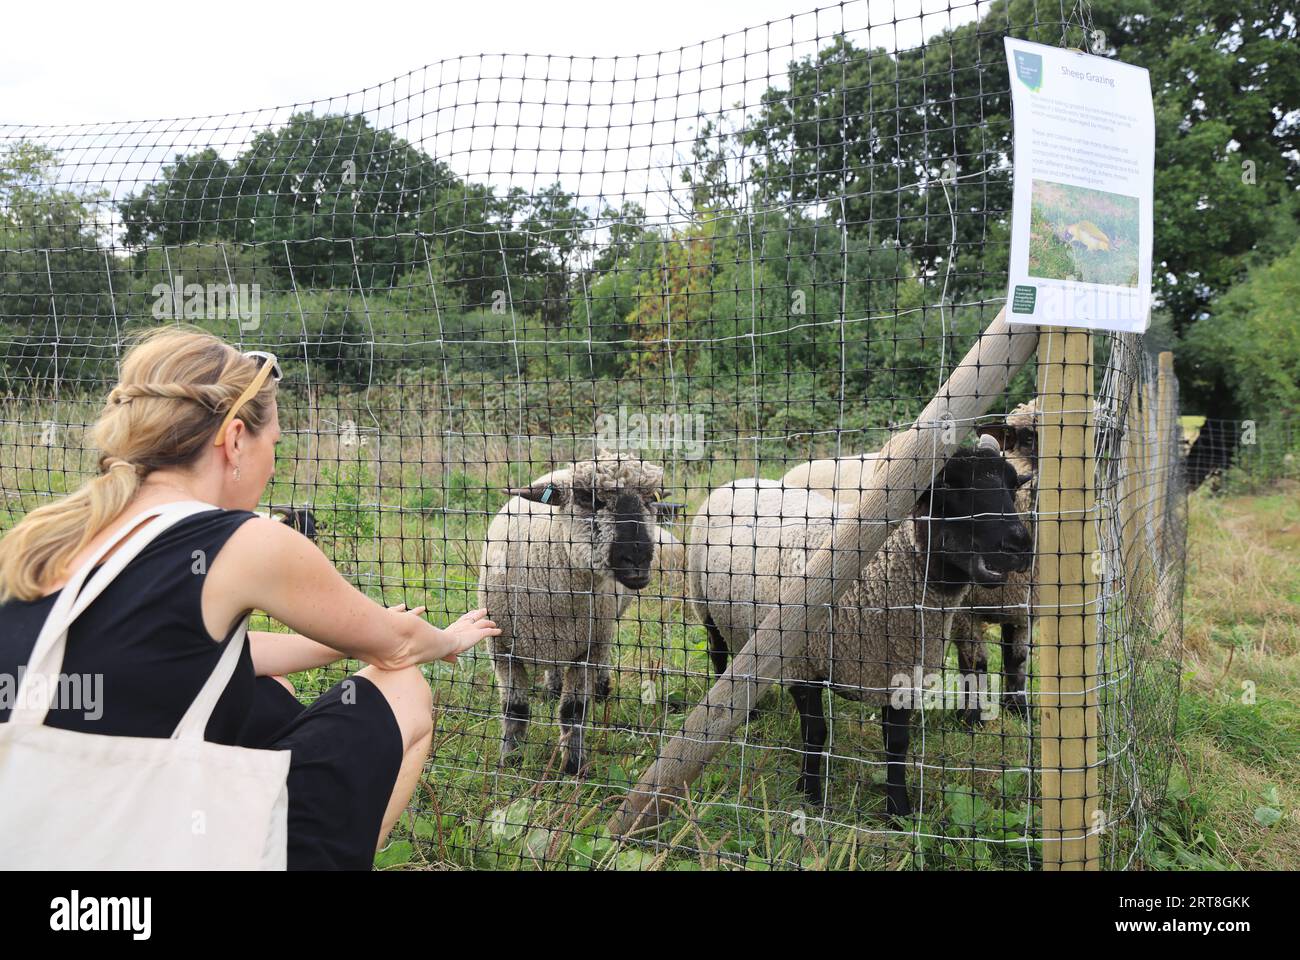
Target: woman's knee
(408, 694)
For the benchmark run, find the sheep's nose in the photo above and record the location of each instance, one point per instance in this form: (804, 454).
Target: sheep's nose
(1017, 540)
(632, 578)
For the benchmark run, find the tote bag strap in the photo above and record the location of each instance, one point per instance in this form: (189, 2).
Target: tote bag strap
(46, 661)
(195, 722)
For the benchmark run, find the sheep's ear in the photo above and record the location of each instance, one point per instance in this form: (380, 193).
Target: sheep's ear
(547, 493)
(1003, 434)
(666, 510)
(1022, 479)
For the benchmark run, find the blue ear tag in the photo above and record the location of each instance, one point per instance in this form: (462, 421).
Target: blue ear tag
(546, 494)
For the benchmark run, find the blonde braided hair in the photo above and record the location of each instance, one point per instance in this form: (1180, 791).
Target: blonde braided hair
(177, 382)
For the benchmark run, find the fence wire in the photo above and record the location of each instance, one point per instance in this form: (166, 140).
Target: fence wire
(747, 262)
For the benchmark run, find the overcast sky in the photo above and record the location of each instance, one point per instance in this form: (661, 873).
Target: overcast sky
(68, 61)
(85, 63)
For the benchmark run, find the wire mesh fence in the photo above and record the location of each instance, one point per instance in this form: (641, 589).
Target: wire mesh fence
(1241, 454)
(610, 345)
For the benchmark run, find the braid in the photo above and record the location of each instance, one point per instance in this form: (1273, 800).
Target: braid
(214, 397)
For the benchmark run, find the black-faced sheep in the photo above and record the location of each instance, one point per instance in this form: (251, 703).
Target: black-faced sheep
(669, 563)
(1008, 604)
(891, 622)
(299, 518)
(559, 562)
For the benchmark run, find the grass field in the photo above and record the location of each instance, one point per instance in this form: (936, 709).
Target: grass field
(1234, 798)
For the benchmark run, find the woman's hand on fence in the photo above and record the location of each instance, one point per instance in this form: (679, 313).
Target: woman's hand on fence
(470, 630)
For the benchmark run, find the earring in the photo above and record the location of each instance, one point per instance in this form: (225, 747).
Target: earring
(236, 473)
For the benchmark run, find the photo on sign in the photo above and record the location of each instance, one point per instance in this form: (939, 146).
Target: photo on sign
(1076, 233)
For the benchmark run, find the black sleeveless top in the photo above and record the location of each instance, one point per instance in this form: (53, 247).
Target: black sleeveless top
(144, 636)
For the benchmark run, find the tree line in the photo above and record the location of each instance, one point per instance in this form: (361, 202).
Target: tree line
(837, 230)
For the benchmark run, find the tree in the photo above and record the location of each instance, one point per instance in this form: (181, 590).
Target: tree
(54, 275)
(193, 200)
(334, 199)
(555, 229)
(1226, 81)
(1251, 340)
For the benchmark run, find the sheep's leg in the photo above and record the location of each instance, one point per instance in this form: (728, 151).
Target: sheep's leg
(719, 654)
(812, 725)
(604, 683)
(554, 681)
(967, 635)
(513, 684)
(1015, 666)
(573, 714)
(896, 723)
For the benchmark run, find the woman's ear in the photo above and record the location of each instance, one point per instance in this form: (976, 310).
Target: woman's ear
(236, 434)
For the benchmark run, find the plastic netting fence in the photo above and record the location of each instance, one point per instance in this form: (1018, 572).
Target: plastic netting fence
(1242, 454)
(733, 261)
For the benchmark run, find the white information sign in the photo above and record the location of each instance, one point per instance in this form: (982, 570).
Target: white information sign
(1081, 217)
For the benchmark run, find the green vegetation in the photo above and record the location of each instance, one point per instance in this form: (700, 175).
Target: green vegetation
(1233, 801)
(375, 259)
(1254, 337)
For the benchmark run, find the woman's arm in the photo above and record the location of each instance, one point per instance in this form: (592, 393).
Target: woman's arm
(267, 565)
(277, 654)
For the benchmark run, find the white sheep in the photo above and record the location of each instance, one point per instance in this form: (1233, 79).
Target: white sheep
(844, 479)
(892, 621)
(669, 564)
(840, 478)
(560, 561)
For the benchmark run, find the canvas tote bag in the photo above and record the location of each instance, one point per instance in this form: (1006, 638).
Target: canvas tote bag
(71, 800)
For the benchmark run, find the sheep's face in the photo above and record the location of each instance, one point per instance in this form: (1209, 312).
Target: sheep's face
(612, 511)
(1020, 439)
(1017, 435)
(969, 522)
(622, 539)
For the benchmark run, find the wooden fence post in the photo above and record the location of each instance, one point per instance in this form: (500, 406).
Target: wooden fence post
(1165, 411)
(1066, 639)
(1131, 486)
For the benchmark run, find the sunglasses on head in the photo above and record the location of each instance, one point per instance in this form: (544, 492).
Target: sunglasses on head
(276, 373)
(267, 365)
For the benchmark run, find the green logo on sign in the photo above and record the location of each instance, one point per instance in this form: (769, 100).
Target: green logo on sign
(1029, 68)
(1023, 300)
